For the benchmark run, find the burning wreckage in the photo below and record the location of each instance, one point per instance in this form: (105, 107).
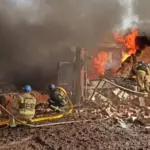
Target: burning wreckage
(102, 82)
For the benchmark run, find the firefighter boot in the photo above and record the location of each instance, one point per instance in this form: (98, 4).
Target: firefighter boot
(12, 123)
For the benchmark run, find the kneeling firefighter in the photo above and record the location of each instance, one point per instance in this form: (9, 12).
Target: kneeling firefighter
(24, 105)
(142, 73)
(56, 99)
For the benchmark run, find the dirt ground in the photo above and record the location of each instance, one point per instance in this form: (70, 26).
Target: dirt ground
(95, 135)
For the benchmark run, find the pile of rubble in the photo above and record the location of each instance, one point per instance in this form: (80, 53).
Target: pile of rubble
(136, 109)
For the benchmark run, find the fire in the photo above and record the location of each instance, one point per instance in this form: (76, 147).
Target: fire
(128, 41)
(124, 56)
(99, 62)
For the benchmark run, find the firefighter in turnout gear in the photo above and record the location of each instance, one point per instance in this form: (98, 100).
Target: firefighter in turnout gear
(56, 99)
(142, 73)
(23, 106)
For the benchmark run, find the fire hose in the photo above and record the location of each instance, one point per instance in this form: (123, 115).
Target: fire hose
(31, 125)
(49, 124)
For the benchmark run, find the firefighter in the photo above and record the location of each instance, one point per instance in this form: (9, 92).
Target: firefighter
(133, 72)
(147, 78)
(56, 99)
(23, 106)
(142, 72)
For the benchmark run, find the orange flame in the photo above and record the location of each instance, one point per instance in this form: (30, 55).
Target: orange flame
(98, 64)
(128, 41)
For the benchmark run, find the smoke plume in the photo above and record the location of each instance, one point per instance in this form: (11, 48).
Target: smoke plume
(135, 13)
(36, 34)
(129, 18)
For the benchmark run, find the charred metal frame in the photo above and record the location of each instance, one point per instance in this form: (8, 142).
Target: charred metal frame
(79, 84)
(80, 77)
(59, 66)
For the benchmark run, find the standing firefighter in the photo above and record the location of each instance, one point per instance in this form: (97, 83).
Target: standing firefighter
(142, 73)
(23, 106)
(56, 98)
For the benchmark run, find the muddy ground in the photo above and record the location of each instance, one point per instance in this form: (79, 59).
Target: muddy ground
(95, 135)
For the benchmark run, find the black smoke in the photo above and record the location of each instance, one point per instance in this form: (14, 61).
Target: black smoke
(34, 36)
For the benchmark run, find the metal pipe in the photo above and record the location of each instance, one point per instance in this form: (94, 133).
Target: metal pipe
(78, 77)
(86, 76)
(95, 89)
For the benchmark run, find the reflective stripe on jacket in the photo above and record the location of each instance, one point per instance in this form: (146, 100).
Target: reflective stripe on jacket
(27, 104)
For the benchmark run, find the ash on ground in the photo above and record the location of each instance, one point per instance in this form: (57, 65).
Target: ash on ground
(101, 133)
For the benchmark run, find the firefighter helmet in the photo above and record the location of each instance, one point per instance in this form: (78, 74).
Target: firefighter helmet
(51, 87)
(27, 88)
